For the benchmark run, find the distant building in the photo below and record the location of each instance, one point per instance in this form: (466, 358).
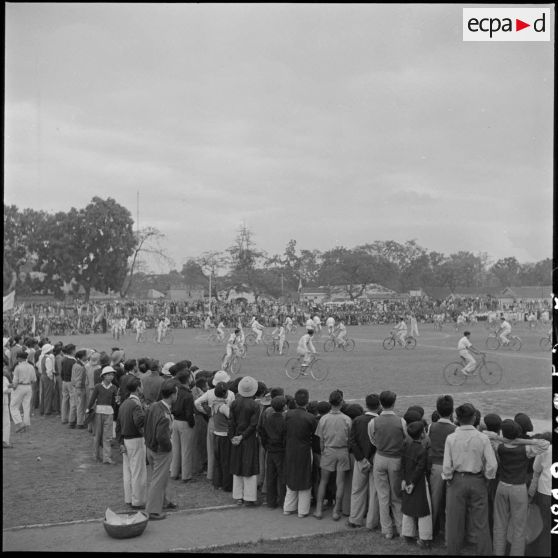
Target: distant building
(516, 295)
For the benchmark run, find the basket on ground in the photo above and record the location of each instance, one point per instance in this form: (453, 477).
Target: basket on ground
(126, 531)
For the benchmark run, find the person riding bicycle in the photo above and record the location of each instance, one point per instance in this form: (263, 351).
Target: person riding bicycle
(221, 331)
(257, 328)
(330, 324)
(234, 344)
(465, 347)
(400, 331)
(278, 335)
(461, 319)
(162, 328)
(504, 330)
(341, 333)
(305, 349)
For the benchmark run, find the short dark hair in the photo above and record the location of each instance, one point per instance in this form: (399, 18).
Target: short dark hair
(335, 398)
(493, 422)
(353, 410)
(69, 348)
(168, 387)
(81, 354)
(301, 397)
(262, 389)
(202, 382)
(133, 384)
(130, 364)
(323, 407)
(22, 355)
(183, 376)
(444, 405)
(274, 392)
(278, 403)
(372, 401)
(387, 398)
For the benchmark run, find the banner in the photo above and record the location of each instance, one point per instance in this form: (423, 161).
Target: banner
(8, 303)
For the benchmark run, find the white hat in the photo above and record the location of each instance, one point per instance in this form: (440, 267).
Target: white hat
(247, 387)
(165, 370)
(46, 348)
(220, 376)
(107, 370)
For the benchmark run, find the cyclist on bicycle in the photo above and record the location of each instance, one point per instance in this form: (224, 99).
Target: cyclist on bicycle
(278, 335)
(305, 350)
(221, 331)
(465, 347)
(400, 331)
(234, 343)
(504, 330)
(341, 333)
(257, 328)
(330, 324)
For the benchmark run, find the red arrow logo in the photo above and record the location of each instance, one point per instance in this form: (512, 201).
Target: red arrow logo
(519, 25)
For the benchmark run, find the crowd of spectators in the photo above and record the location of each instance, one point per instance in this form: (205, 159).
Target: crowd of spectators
(84, 318)
(459, 476)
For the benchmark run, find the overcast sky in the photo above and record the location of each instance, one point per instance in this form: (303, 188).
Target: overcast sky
(330, 124)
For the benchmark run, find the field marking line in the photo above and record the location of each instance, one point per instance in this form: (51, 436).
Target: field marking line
(81, 521)
(464, 393)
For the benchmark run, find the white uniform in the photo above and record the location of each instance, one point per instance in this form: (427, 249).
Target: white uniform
(342, 333)
(505, 328)
(463, 348)
(330, 323)
(221, 330)
(279, 335)
(317, 323)
(257, 328)
(305, 348)
(401, 331)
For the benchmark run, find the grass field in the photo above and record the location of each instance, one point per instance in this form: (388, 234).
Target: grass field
(64, 484)
(415, 375)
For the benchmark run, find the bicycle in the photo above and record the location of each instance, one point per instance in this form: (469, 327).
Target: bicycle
(166, 339)
(390, 342)
(251, 338)
(318, 368)
(234, 365)
(141, 338)
(333, 343)
(490, 372)
(292, 329)
(493, 342)
(215, 339)
(273, 348)
(545, 343)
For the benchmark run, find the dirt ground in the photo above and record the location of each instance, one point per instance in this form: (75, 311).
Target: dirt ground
(67, 484)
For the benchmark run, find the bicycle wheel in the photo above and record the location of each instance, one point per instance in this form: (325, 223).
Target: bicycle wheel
(243, 350)
(453, 374)
(349, 345)
(515, 344)
(319, 370)
(168, 339)
(235, 365)
(410, 342)
(545, 343)
(250, 339)
(491, 372)
(271, 349)
(492, 342)
(292, 368)
(329, 345)
(389, 343)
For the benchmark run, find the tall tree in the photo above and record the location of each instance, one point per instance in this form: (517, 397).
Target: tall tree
(507, 271)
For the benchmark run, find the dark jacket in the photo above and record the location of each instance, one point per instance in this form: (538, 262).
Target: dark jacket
(359, 441)
(131, 420)
(273, 432)
(300, 425)
(243, 420)
(183, 407)
(157, 428)
(414, 470)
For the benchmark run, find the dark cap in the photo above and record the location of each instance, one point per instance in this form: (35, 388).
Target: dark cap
(465, 411)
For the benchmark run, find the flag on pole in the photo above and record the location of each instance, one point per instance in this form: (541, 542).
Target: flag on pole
(8, 303)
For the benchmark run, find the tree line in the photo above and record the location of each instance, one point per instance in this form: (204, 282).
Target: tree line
(96, 247)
